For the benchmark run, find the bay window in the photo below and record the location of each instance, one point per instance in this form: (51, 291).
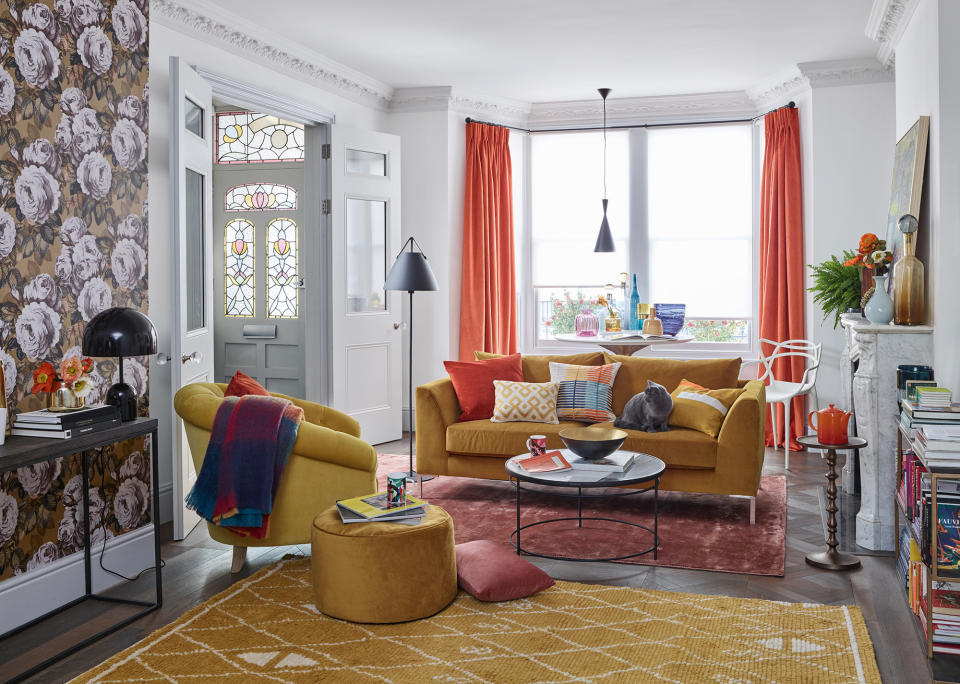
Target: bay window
(682, 215)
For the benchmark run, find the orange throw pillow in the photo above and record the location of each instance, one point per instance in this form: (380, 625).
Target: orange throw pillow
(242, 384)
(473, 383)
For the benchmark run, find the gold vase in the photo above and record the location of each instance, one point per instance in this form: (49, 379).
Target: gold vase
(908, 304)
(64, 398)
(613, 323)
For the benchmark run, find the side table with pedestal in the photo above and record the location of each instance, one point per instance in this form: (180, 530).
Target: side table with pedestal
(831, 559)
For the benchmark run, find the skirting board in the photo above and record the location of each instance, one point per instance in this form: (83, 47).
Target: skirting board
(39, 591)
(406, 415)
(166, 502)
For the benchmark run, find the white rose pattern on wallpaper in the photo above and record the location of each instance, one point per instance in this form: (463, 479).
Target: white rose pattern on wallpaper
(74, 108)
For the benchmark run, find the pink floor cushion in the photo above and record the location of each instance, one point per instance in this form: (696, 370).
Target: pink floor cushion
(490, 571)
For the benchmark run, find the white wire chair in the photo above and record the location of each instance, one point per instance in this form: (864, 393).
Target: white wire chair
(782, 391)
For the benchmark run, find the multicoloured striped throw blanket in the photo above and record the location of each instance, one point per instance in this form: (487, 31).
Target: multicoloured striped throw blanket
(252, 438)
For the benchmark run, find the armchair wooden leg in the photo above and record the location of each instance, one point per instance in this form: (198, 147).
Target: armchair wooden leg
(239, 558)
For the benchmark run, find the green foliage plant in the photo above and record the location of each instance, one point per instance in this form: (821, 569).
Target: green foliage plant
(836, 287)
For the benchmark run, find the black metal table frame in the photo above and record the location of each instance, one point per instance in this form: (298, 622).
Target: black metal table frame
(141, 428)
(557, 490)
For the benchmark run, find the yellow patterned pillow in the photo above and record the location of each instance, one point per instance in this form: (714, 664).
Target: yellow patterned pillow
(533, 402)
(700, 409)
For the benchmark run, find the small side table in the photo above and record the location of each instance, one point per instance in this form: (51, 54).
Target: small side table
(831, 559)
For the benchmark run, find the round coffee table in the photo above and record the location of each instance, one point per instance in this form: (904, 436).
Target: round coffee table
(646, 469)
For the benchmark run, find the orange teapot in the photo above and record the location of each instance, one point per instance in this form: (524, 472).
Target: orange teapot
(831, 425)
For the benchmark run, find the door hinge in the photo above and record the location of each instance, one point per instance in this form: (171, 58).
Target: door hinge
(325, 207)
(325, 151)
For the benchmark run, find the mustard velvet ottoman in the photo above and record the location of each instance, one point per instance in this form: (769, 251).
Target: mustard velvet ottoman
(383, 572)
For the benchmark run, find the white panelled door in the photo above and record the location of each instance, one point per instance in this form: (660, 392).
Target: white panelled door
(366, 374)
(191, 183)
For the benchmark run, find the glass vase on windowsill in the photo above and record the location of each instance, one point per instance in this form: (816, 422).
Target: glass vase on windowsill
(586, 324)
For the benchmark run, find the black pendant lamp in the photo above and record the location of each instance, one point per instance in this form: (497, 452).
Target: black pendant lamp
(604, 237)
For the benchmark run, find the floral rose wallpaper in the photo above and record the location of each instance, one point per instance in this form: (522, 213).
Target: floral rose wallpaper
(73, 242)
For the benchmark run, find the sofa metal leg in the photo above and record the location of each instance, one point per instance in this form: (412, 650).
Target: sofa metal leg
(239, 558)
(753, 510)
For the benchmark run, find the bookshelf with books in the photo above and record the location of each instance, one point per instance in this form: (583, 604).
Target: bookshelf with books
(928, 480)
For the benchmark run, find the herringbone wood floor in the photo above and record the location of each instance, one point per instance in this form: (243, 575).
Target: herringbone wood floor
(198, 568)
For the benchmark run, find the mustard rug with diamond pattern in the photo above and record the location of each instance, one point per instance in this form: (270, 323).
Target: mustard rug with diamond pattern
(266, 629)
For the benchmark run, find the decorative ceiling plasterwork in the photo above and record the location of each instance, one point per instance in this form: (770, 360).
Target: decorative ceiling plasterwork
(443, 98)
(206, 20)
(886, 24)
(795, 80)
(633, 110)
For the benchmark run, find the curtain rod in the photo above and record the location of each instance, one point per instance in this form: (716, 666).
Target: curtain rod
(789, 105)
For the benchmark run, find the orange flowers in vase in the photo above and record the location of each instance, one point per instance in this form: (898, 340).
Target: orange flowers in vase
(66, 388)
(872, 253)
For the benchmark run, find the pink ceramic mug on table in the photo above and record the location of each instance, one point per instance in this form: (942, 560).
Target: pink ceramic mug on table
(537, 445)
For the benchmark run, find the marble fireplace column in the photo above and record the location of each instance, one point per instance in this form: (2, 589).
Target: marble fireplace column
(880, 349)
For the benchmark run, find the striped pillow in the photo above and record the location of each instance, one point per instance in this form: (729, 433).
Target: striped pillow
(586, 392)
(700, 409)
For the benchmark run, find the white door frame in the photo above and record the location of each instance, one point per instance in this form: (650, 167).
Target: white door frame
(317, 310)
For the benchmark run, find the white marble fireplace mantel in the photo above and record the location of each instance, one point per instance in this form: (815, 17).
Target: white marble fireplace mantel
(879, 350)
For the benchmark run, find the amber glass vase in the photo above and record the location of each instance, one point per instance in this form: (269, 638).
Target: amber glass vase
(908, 304)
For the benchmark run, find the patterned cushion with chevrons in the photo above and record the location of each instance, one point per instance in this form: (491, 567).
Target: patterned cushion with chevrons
(534, 402)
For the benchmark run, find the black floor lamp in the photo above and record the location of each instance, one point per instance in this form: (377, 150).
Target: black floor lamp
(412, 273)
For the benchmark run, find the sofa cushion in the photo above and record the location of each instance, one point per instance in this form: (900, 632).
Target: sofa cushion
(586, 392)
(636, 370)
(701, 409)
(537, 368)
(534, 402)
(473, 383)
(484, 438)
(678, 448)
(242, 384)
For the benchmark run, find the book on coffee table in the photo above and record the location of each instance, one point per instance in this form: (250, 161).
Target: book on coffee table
(545, 463)
(617, 462)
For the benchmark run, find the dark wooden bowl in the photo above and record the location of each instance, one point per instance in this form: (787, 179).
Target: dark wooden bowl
(593, 443)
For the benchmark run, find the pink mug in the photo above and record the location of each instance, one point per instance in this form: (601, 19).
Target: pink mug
(537, 444)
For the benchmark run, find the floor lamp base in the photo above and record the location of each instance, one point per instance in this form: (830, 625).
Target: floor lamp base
(414, 476)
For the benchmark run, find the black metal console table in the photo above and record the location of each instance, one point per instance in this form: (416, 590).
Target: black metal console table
(18, 452)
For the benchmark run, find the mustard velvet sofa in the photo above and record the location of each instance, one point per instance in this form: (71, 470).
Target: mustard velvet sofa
(729, 464)
(329, 462)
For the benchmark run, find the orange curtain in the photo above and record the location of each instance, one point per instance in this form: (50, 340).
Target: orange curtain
(488, 297)
(781, 256)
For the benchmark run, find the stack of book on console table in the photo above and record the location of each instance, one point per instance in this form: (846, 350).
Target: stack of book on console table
(376, 508)
(63, 424)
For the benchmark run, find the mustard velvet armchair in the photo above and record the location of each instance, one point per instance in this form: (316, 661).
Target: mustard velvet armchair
(329, 462)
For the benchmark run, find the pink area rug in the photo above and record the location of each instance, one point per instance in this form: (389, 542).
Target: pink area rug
(697, 531)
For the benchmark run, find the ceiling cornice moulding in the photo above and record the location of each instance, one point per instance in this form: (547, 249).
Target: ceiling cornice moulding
(887, 21)
(640, 110)
(447, 98)
(790, 83)
(207, 20)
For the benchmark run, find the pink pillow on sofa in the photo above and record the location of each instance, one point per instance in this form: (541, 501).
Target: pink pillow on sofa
(489, 571)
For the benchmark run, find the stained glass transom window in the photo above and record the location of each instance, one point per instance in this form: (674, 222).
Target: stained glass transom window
(282, 279)
(238, 268)
(260, 197)
(250, 137)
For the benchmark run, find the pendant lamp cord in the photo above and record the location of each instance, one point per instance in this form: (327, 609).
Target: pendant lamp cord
(604, 147)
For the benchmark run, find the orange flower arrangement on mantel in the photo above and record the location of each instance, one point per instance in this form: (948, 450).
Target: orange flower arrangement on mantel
(67, 388)
(872, 254)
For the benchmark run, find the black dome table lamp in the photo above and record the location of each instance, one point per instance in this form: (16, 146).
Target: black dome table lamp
(120, 332)
(412, 273)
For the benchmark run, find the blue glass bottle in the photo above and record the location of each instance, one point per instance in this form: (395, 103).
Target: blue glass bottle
(634, 305)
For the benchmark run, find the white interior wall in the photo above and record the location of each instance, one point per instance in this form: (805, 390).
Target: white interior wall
(165, 42)
(426, 199)
(928, 83)
(848, 158)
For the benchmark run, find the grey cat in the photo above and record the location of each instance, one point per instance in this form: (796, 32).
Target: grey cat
(647, 411)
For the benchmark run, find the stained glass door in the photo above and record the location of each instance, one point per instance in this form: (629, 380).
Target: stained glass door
(260, 261)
